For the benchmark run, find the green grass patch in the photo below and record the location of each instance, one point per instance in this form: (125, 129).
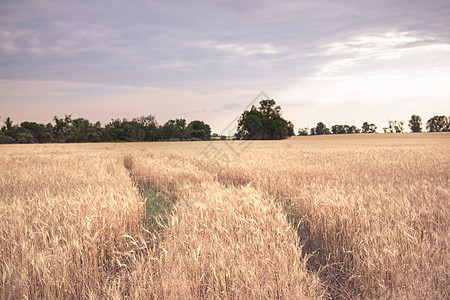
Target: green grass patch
(157, 207)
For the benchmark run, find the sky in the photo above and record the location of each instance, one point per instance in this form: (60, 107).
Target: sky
(334, 61)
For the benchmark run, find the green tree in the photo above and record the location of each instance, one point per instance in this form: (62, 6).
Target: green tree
(199, 130)
(354, 129)
(169, 130)
(134, 132)
(4, 139)
(8, 123)
(149, 126)
(60, 128)
(81, 130)
(368, 128)
(250, 126)
(365, 127)
(267, 108)
(10, 130)
(399, 127)
(394, 126)
(321, 128)
(438, 123)
(264, 123)
(337, 129)
(415, 124)
(25, 138)
(340, 129)
(303, 131)
(290, 129)
(175, 130)
(115, 131)
(41, 133)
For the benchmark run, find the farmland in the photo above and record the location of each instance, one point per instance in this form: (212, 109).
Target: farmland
(344, 217)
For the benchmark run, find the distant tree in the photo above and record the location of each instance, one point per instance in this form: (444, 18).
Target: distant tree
(303, 131)
(264, 123)
(354, 129)
(134, 131)
(146, 121)
(321, 128)
(267, 107)
(40, 132)
(368, 128)
(139, 129)
(149, 127)
(8, 123)
(169, 130)
(180, 125)
(175, 130)
(199, 130)
(251, 125)
(25, 138)
(81, 130)
(290, 129)
(115, 131)
(394, 127)
(340, 129)
(438, 123)
(337, 129)
(365, 127)
(10, 131)
(390, 128)
(4, 139)
(60, 127)
(399, 127)
(415, 124)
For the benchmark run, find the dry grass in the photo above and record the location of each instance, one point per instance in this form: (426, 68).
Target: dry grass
(370, 212)
(64, 213)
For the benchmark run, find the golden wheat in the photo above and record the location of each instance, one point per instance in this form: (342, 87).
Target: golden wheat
(361, 216)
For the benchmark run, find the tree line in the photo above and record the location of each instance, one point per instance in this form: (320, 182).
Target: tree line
(80, 130)
(266, 122)
(262, 123)
(434, 124)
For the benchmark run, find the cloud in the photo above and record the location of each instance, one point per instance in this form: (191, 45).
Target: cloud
(232, 105)
(376, 66)
(239, 49)
(377, 47)
(201, 55)
(162, 43)
(373, 77)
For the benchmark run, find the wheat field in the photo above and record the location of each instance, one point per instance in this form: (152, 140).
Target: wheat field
(321, 217)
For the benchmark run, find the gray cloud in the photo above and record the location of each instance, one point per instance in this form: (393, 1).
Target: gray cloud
(207, 47)
(144, 43)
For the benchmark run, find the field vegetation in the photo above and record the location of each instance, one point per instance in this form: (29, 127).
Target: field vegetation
(317, 217)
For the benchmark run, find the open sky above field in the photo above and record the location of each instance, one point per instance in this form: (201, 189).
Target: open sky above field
(332, 61)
